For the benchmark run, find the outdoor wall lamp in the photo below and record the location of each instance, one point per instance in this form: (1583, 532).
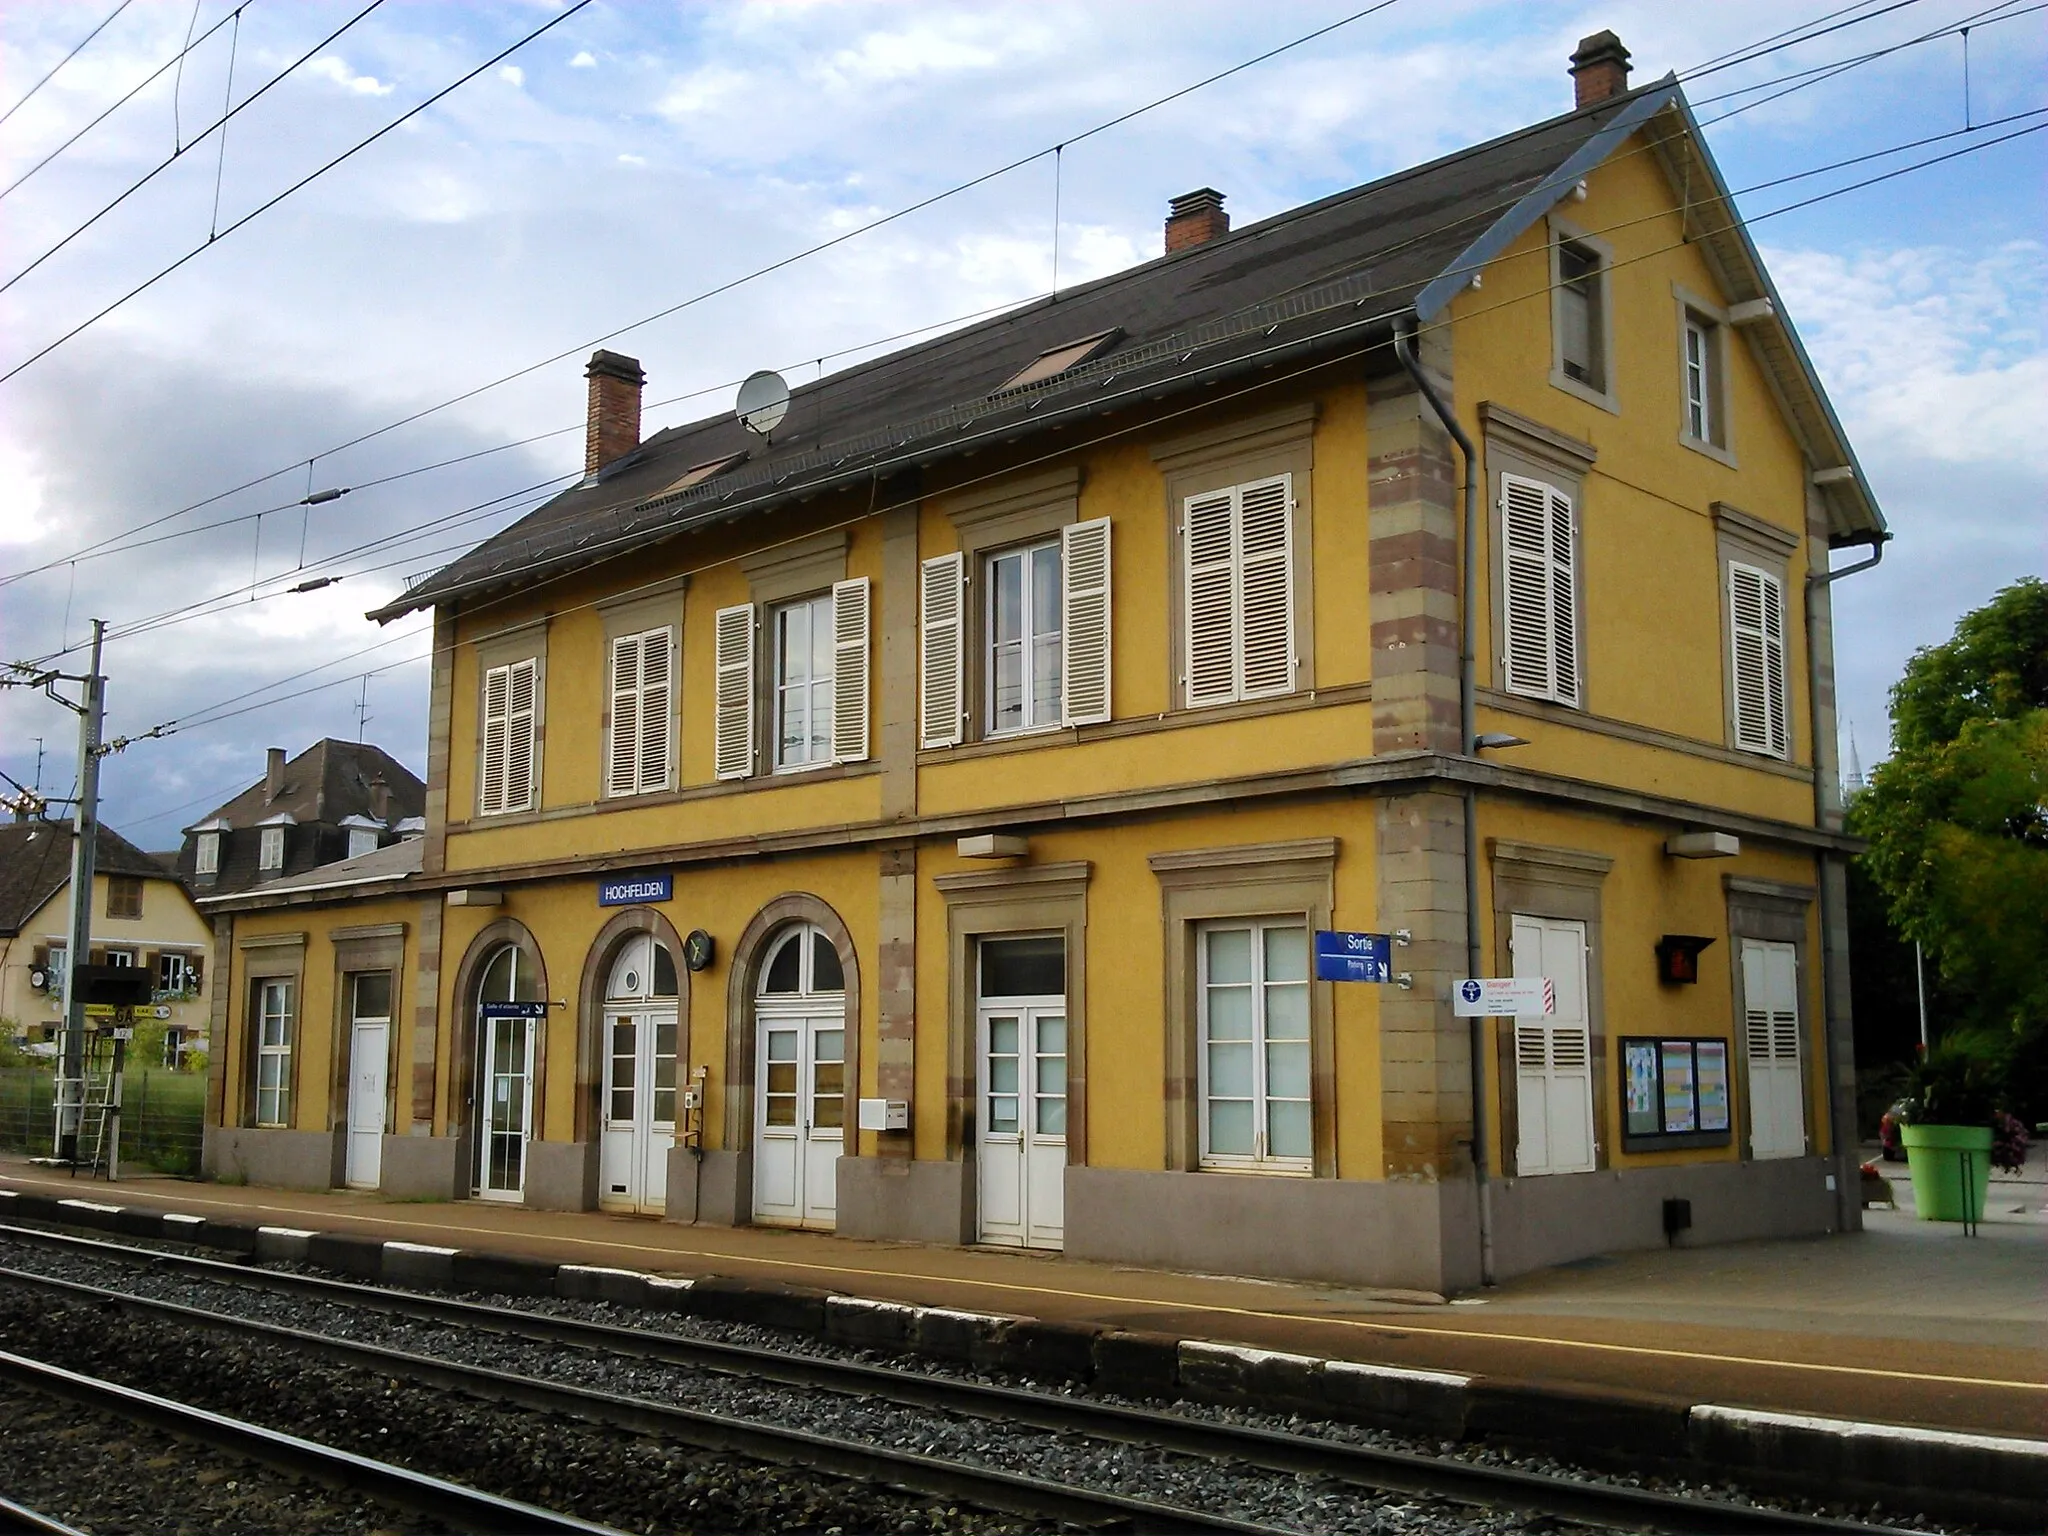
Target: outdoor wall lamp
(1489, 739)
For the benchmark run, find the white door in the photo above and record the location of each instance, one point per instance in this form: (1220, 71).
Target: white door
(800, 1124)
(1022, 1150)
(507, 1079)
(1554, 1052)
(799, 1079)
(639, 1110)
(1770, 1026)
(368, 1054)
(640, 1043)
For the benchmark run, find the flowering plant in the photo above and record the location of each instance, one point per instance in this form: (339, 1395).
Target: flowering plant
(2009, 1142)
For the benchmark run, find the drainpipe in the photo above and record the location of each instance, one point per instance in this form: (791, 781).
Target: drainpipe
(1818, 582)
(1468, 732)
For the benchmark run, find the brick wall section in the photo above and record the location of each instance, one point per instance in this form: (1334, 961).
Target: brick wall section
(896, 988)
(1413, 557)
(221, 980)
(1425, 1059)
(440, 703)
(426, 1016)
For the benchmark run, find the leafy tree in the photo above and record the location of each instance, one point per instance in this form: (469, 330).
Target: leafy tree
(1957, 817)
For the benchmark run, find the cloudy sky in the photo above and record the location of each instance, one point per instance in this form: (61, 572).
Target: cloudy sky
(641, 153)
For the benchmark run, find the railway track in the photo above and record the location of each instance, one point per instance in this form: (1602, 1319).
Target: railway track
(20, 1518)
(1587, 1503)
(463, 1509)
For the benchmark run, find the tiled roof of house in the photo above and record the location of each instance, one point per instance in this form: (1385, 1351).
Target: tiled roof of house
(1318, 280)
(35, 863)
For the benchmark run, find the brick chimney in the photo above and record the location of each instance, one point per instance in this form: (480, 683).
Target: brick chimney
(380, 797)
(1599, 69)
(613, 429)
(1195, 218)
(273, 775)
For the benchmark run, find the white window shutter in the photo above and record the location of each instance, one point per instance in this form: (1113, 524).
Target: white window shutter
(733, 663)
(850, 670)
(521, 701)
(490, 797)
(1085, 612)
(1528, 627)
(1756, 629)
(1209, 598)
(657, 707)
(1564, 599)
(1554, 1053)
(622, 770)
(1770, 1022)
(1265, 564)
(942, 696)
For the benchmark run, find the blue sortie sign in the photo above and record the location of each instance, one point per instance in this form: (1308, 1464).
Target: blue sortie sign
(1353, 956)
(630, 890)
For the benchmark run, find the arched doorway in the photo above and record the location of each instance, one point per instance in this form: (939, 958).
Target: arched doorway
(510, 1009)
(638, 1083)
(799, 1079)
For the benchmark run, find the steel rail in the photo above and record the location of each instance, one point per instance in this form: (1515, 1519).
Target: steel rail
(19, 1517)
(966, 1482)
(467, 1509)
(1375, 1467)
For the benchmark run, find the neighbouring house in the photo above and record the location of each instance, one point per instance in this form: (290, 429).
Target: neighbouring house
(142, 915)
(1059, 786)
(336, 800)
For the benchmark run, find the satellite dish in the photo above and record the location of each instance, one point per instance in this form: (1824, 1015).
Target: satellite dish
(763, 402)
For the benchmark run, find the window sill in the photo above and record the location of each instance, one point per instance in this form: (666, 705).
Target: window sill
(1559, 379)
(1266, 1170)
(1713, 451)
(791, 770)
(1767, 756)
(638, 794)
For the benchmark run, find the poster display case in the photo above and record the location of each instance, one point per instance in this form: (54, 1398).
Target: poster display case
(1674, 1093)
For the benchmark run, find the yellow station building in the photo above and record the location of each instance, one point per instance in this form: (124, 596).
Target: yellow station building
(916, 817)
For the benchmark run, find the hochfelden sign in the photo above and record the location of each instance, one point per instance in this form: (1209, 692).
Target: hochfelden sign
(631, 890)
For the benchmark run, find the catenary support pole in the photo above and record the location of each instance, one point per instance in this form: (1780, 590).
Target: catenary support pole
(1468, 737)
(84, 848)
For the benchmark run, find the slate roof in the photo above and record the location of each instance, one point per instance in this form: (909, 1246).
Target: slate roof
(1318, 280)
(35, 864)
(328, 781)
(394, 861)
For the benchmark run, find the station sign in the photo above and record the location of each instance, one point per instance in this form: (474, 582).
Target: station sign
(515, 1010)
(632, 889)
(1353, 956)
(1503, 996)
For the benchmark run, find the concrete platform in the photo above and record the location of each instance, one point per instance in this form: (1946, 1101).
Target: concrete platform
(1907, 1322)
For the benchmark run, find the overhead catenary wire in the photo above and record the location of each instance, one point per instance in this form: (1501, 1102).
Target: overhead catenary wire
(214, 714)
(74, 53)
(1748, 53)
(264, 207)
(136, 90)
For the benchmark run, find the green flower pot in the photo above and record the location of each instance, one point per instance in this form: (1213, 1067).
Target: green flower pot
(1934, 1157)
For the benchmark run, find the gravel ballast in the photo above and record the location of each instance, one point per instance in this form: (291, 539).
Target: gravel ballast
(1249, 1493)
(113, 1478)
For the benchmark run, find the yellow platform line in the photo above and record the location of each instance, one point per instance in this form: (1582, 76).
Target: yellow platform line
(1221, 1309)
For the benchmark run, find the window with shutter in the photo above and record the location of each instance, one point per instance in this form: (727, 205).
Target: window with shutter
(206, 855)
(1084, 604)
(1770, 1026)
(642, 711)
(490, 778)
(1539, 591)
(942, 594)
(733, 662)
(1238, 592)
(1756, 629)
(521, 697)
(850, 604)
(1554, 1052)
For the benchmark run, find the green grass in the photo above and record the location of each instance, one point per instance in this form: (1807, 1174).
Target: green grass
(161, 1115)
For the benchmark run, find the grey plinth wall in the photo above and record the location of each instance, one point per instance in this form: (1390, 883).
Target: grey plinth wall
(906, 1200)
(284, 1159)
(1349, 1231)
(561, 1175)
(1559, 1217)
(423, 1168)
(718, 1190)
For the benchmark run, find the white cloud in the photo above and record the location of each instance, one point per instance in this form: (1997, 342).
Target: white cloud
(626, 159)
(330, 67)
(512, 74)
(584, 60)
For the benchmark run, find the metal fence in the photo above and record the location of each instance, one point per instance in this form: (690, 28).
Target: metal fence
(161, 1114)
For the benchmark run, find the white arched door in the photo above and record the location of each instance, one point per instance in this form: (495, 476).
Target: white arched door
(639, 1078)
(799, 1080)
(505, 1045)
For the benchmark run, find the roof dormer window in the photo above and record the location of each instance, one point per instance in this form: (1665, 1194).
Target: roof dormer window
(1057, 360)
(206, 854)
(270, 846)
